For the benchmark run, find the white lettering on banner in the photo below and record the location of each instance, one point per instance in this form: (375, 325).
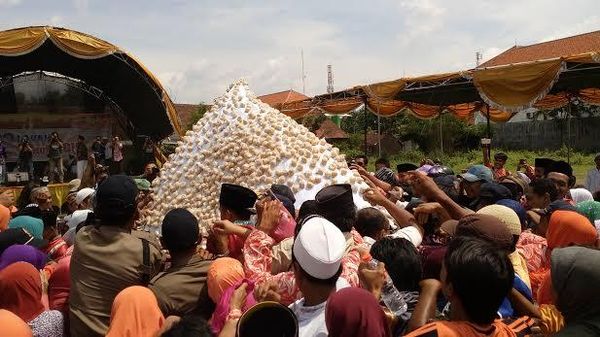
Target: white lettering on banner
(39, 140)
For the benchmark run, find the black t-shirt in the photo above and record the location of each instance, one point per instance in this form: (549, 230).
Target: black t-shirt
(25, 153)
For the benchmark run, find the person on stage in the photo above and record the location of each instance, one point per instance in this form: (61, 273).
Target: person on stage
(25, 159)
(55, 152)
(117, 148)
(82, 155)
(2, 161)
(98, 150)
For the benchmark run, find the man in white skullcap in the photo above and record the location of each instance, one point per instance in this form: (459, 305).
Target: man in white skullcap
(592, 183)
(317, 263)
(83, 199)
(334, 204)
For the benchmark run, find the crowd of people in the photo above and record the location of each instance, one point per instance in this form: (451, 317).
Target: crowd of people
(486, 252)
(109, 154)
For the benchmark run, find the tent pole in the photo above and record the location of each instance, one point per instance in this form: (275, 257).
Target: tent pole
(487, 116)
(378, 136)
(366, 125)
(441, 134)
(569, 130)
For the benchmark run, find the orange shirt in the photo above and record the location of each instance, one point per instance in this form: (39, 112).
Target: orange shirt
(4, 217)
(516, 328)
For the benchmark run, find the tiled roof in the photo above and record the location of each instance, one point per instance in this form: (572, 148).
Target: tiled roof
(184, 111)
(567, 46)
(276, 99)
(329, 130)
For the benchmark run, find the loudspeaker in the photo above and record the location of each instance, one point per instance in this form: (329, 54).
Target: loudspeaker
(17, 177)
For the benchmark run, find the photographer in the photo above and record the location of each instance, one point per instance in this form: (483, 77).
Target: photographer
(25, 160)
(55, 159)
(82, 156)
(148, 150)
(151, 171)
(117, 148)
(2, 161)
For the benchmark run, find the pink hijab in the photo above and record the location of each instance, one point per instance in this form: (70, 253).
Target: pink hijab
(220, 315)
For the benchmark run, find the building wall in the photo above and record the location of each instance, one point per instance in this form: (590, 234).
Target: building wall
(550, 134)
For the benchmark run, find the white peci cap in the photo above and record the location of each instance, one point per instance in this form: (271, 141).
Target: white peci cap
(319, 248)
(83, 194)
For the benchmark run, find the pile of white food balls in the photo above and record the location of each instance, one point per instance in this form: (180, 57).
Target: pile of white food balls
(244, 141)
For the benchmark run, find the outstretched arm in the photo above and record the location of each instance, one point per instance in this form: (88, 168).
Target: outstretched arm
(426, 187)
(425, 309)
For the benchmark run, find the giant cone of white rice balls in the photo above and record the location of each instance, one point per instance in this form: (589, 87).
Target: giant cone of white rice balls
(244, 141)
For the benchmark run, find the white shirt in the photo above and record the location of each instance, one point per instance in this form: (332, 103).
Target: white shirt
(368, 241)
(592, 183)
(311, 320)
(410, 233)
(108, 152)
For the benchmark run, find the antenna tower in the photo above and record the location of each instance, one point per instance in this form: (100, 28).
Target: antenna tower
(329, 79)
(478, 57)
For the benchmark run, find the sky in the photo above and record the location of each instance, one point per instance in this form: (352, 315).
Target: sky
(197, 48)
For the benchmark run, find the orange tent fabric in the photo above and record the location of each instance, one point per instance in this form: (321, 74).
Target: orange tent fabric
(340, 107)
(552, 101)
(299, 109)
(385, 109)
(590, 95)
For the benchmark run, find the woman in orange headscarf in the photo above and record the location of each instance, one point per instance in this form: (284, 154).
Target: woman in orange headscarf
(135, 313)
(565, 228)
(223, 273)
(13, 326)
(21, 293)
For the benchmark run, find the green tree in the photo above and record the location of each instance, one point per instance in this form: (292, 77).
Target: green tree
(456, 133)
(199, 113)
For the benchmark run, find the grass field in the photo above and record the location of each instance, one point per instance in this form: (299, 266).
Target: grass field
(581, 162)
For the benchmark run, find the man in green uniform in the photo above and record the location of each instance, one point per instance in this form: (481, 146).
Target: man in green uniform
(181, 289)
(108, 258)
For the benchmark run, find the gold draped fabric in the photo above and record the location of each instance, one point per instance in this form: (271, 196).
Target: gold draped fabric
(384, 90)
(17, 42)
(80, 45)
(434, 78)
(506, 89)
(591, 57)
(516, 87)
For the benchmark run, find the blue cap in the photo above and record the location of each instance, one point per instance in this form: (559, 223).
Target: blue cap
(478, 173)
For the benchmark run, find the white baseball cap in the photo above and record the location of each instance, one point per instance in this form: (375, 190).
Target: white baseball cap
(83, 194)
(319, 248)
(73, 221)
